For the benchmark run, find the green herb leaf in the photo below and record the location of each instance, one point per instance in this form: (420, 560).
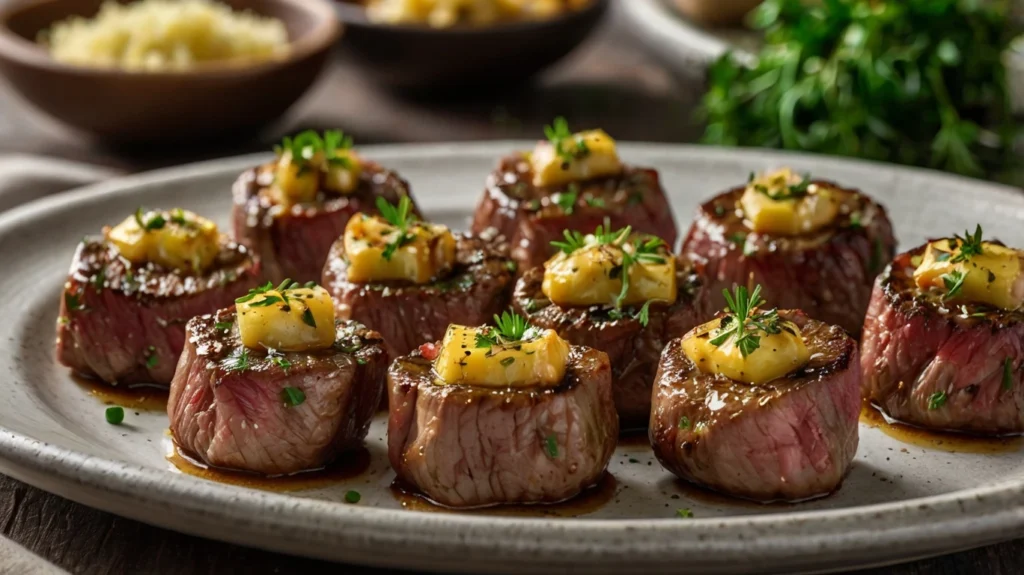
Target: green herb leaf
(644, 315)
(115, 415)
(551, 446)
(937, 400)
(151, 357)
(507, 361)
(743, 323)
(255, 292)
(954, 282)
(307, 318)
(72, 302)
(237, 361)
(292, 396)
(918, 82)
(352, 497)
(222, 325)
(967, 246)
(684, 422)
(567, 199)
(685, 513)
(567, 146)
(275, 357)
(573, 241)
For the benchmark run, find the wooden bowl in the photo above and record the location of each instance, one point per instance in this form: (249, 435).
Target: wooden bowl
(424, 59)
(129, 107)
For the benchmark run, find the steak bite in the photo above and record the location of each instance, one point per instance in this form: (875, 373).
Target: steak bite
(409, 279)
(943, 343)
(764, 408)
(130, 292)
(499, 415)
(291, 210)
(569, 182)
(276, 386)
(580, 293)
(810, 244)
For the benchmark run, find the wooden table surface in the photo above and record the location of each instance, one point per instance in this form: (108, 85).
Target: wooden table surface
(610, 81)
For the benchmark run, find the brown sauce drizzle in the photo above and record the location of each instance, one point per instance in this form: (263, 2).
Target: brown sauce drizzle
(591, 500)
(347, 466)
(948, 441)
(139, 397)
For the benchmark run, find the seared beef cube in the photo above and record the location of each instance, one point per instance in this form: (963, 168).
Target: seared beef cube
(273, 412)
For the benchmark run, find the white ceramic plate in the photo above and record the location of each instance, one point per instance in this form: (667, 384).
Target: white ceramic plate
(899, 501)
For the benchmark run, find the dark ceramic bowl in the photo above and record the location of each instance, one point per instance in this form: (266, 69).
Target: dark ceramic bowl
(419, 58)
(120, 106)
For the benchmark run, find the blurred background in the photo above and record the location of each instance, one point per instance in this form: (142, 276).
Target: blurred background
(934, 83)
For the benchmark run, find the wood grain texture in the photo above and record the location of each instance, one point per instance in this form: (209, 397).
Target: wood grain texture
(610, 82)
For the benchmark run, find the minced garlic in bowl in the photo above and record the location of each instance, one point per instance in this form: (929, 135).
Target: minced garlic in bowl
(165, 35)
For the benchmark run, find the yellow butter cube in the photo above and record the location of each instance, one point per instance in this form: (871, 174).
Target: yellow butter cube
(343, 173)
(992, 277)
(295, 182)
(379, 251)
(582, 156)
(781, 203)
(294, 319)
(538, 361)
(593, 276)
(176, 239)
(777, 355)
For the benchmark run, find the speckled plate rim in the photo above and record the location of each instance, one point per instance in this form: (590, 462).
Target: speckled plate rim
(801, 540)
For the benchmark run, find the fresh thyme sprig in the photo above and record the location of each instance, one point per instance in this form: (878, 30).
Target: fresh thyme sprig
(644, 251)
(154, 222)
(603, 235)
(744, 322)
(566, 145)
(509, 328)
(967, 246)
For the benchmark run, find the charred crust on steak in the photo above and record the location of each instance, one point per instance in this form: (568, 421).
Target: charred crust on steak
(904, 295)
(512, 180)
(217, 340)
(530, 217)
(417, 370)
(98, 265)
(529, 300)
(855, 208)
(832, 351)
(478, 261)
(374, 181)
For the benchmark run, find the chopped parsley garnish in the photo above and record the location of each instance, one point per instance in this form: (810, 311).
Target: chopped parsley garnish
(151, 357)
(100, 279)
(644, 315)
(738, 238)
(292, 396)
(644, 251)
(277, 358)
(222, 325)
(743, 322)
(507, 361)
(567, 199)
(855, 222)
(937, 400)
(115, 415)
(400, 217)
(567, 146)
(72, 301)
(685, 513)
(178, 217)
(595, 202)
(551, 446)
(788, 192)
(967, 246)
(305, 146)
(238, 361)
(155, 222)
(352, 497)
(1007, 374)
(684, 422)
(307, 317)
(573, 241)
(954, 282)
(511, 266)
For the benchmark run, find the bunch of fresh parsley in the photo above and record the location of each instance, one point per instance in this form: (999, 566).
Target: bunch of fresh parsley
(918, 82)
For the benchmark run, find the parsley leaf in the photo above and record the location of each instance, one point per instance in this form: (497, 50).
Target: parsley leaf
(954, 282)
(968, 246)
(567, 146)
(551, 446)
(292, 396)
(937, 400)
(567, 199)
